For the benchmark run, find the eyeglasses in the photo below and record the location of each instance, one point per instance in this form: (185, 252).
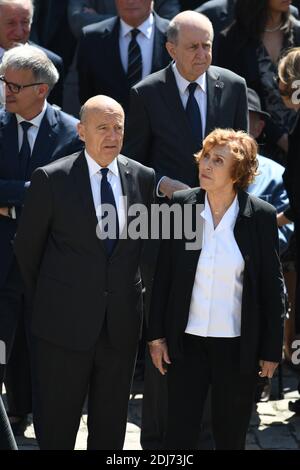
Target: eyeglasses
(14, 87)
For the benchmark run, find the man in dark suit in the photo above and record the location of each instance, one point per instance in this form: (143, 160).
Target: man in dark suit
(15, 25)
(111, 58)
(32, 133)
(85, 12)
(86, 291)
(164, 130)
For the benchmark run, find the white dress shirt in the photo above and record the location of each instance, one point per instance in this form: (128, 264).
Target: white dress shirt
(200, 96)
(200, 93)
(33, 130)
(113, 177)
(216, 301)
(145, 40)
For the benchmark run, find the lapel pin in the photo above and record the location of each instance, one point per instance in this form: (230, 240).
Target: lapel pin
(219, 84)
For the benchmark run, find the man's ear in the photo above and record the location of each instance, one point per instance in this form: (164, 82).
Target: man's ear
(170, 46)
(42, 90)
(81, 131)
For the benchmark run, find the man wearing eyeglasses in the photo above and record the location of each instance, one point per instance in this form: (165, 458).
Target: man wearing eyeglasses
(32, 133)
(15, 27)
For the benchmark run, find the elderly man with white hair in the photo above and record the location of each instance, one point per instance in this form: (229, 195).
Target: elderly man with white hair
(15, 27)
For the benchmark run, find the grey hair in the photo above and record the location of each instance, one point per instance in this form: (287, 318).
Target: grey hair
(174, 28)
(25, 57)
(19, 2)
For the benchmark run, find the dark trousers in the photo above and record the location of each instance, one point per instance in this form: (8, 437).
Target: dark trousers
(61, 381)
(14, 332)
(209, 362)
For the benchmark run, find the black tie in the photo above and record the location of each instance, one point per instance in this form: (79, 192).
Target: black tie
(193, 114)
(134, 71)
(107, 197)
(25, 152)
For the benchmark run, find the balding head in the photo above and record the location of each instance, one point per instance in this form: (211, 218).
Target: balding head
(190, 37)
(98, 104)
(101, 127)
(189, 20)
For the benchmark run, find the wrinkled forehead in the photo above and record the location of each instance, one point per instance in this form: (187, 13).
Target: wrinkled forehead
(195, 32)
(16, 9)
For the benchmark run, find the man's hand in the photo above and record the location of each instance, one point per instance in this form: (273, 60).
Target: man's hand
(267, 368)
(159, 354)
(169, 186)
(4, 211)
(282, 219)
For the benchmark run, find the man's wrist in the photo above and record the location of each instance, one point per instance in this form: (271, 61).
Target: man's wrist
(156, 342)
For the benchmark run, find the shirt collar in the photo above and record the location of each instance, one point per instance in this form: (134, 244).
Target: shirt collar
(94, 167)
(228, 219)
(145, 28)
(35, 121)
(182, 83)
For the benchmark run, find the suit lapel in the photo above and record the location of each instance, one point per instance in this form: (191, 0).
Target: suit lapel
(80, 174)
(243, 231)
(158, 46)
(214, 93)
(112, 42)
(129, 191)
(170, 93)
(46, 140)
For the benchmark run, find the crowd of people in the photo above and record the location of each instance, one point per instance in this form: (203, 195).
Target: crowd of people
(167, 104)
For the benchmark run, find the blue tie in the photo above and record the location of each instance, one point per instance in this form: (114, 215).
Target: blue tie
(107, 197)
(135, 64)
(25, 152)
(193, 114)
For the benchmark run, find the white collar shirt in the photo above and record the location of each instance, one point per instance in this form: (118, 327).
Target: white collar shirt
(33, 130)
(200, 93)
(113, 177)
(145, 40)
(215, 308)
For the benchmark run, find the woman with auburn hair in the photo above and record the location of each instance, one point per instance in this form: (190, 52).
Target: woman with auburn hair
(251, 47)
(216, 312)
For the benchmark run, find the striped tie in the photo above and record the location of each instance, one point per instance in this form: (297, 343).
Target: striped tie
(134, 72)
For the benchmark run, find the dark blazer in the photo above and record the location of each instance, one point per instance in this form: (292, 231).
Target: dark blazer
(158, 133)
(57, 137)
(256, 234)
(65, 267)
(99, 63)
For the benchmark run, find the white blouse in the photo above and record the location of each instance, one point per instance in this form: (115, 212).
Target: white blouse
(215, 308)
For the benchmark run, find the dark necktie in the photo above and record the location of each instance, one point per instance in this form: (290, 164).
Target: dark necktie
(193, 114)
(134, 71)
(25, 152)
(107, 197)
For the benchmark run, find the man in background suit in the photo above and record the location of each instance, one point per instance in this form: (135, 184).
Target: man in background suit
(15, 25)
(111, 58)
(170, 112)
(32, 133)
(86, 291)
(85, 12)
